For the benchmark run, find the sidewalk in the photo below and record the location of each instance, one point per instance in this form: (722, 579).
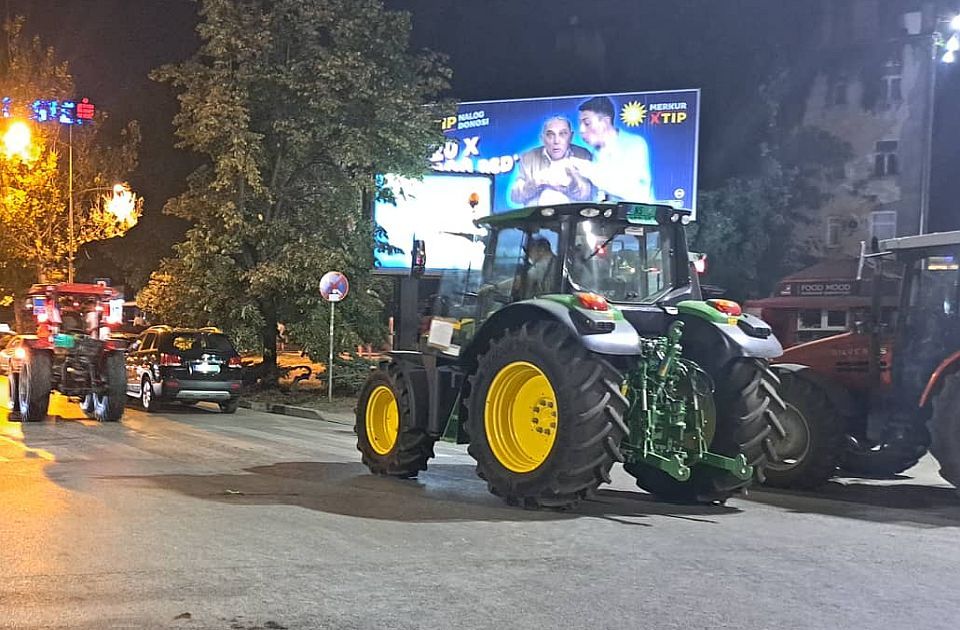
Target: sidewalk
(337, 417)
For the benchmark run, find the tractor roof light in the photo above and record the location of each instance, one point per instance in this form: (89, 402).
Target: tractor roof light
(592, 301)
(727, 307)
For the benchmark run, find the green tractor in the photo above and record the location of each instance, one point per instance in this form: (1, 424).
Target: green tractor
(582, 342)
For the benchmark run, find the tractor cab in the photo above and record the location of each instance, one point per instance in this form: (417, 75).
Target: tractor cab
(630, 255)
(927, 331)
(61, 311)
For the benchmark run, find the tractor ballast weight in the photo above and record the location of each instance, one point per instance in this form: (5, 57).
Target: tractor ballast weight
(611, 357)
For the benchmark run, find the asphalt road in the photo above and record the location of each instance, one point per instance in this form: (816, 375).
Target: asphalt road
(195, 519)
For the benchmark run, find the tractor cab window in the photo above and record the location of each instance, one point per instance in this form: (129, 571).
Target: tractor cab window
(624, 263)
(524, 264)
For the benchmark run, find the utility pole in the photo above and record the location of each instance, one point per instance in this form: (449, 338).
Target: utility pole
(72, 244)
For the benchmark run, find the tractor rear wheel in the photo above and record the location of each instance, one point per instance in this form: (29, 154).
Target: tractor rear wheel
(748, 407)
(545, 417)
(810, 450)
(388, 438)
(108, 406)
(945, 429)
(33, 386)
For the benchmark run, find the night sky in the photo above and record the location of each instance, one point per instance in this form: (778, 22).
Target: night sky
(498, 49)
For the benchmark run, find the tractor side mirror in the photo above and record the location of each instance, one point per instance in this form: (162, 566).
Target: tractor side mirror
(418, 263)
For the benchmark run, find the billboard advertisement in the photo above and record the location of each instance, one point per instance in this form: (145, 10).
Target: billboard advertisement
(637, 146)
(438, 210)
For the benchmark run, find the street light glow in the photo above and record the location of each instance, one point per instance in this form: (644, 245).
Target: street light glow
(953, 44)
(955, 23)
(949, 57)
(16, 141)
(122, 204)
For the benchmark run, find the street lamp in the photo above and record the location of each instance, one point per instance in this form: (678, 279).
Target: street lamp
(950, 47)
(16, 140)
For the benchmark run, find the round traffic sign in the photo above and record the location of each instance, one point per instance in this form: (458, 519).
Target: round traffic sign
(334, 286)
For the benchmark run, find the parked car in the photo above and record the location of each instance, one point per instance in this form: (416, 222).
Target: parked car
(187, 365)
(13, 352)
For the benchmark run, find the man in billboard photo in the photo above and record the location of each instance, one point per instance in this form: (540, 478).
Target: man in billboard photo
(546, 174)
(620, 169)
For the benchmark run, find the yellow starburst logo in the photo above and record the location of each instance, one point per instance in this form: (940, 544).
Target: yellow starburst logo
(633, 113)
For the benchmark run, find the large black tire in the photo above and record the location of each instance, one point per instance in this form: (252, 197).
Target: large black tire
(588, 421)
(810, 450)
(109, 405)
(747, 405)
(230, 406)
(33, 385)
(408, 447)
(945, 429)
(883, 460)
(12, 398)
(148, 401)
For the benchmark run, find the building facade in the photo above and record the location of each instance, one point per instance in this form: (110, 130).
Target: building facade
(873, 91)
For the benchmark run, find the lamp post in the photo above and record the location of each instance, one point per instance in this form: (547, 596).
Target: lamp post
(950, 46)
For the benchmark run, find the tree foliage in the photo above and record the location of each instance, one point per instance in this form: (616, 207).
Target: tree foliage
(749, 227)
(34, 218)
(297, 106)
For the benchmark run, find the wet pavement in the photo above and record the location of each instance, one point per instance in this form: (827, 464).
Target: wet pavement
(189, 518)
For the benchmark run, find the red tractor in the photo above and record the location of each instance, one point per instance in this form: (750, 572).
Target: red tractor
(872, 402)
(71, 353)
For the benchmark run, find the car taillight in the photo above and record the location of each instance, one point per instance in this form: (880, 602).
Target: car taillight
(235, 362)
(727, 307)
(592, 301)
(169, 360)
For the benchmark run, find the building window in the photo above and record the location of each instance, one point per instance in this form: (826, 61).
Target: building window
(885, 162)
(890, 84)
(883, 224)
(837, 94)
(813, 324)
(833, 232)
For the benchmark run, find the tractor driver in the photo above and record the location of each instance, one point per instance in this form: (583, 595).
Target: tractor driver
(542, 262)
(536, 276)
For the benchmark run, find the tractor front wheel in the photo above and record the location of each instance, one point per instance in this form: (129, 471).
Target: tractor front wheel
(108, 406)
(33, 386)
(945, 430)
(748, 406)
(545, 417)
(388, 438)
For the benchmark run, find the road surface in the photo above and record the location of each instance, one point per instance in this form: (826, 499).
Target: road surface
(190, 518)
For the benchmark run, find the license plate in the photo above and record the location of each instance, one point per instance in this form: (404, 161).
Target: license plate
(206, 368)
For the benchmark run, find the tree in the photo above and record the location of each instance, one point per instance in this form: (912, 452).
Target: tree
(34, 230)
(296, 106)
(748, 227)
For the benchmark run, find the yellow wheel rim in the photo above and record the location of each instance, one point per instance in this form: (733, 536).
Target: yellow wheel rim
(520, 417)
(382, 419)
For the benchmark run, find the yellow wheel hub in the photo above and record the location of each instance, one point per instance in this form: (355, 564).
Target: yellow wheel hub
(382, 420)
(520, 417)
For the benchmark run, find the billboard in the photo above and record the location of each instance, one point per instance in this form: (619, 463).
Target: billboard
(438, 210)
(636, 146)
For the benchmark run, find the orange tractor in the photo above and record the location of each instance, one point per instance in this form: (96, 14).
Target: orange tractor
(873, 401)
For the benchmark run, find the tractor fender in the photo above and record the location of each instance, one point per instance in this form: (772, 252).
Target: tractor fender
(715, 345)
(947, 366)
(839, 397)
(622, 339)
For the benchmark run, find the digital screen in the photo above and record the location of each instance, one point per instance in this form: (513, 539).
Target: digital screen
(637, 147)
(438, 210)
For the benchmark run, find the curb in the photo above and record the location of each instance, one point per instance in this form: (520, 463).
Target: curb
(290, 410)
